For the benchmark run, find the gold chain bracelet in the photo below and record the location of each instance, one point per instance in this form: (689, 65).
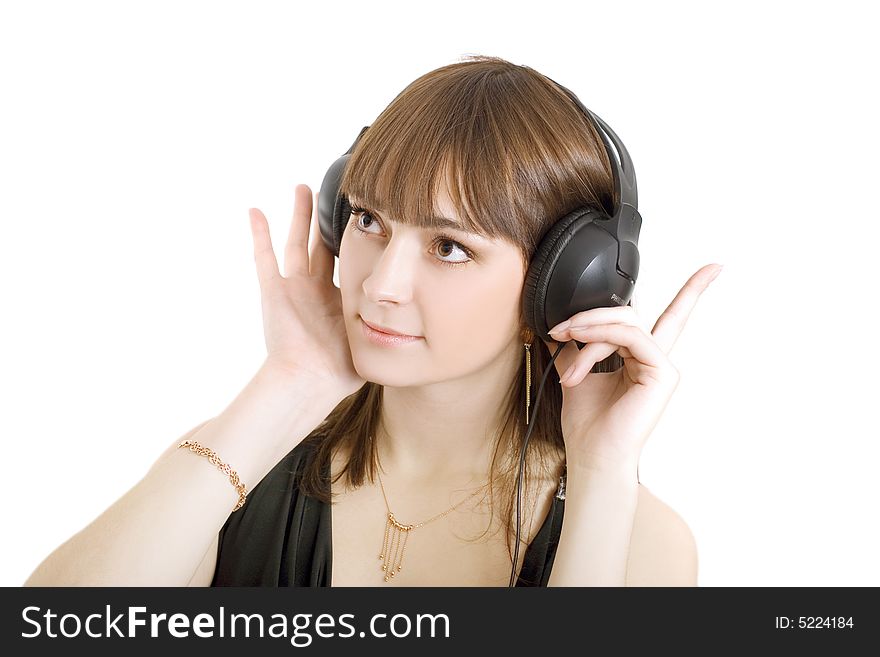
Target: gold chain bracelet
(213, 458)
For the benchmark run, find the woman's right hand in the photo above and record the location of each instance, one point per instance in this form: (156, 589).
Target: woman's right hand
(302, 310)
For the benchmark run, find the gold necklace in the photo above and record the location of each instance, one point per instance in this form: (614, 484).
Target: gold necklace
(396, 534)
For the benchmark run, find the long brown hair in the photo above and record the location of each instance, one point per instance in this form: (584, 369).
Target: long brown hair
(515, 154)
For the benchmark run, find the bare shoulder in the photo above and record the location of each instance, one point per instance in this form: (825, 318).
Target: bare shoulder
(663, 551)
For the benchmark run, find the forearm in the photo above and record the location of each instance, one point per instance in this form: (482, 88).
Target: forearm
(158, 532)
(600, 508)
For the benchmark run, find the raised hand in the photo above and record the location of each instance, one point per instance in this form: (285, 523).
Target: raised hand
(302, 310)
(607, 417)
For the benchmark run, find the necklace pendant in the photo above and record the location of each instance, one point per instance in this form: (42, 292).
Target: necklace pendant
(393, 547)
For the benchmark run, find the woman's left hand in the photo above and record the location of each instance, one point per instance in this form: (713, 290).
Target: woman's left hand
(607, 417)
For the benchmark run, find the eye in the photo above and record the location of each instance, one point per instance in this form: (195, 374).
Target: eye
(360, 213)
(443, 239)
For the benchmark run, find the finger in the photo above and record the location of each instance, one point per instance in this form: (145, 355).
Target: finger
(320, 257)
(641, 345)
(612, 315)
(585, 360)
(296, 254)
(570, 354)
(264, 254)
(671, 322)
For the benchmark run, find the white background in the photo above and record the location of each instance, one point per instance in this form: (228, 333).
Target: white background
(135, 136)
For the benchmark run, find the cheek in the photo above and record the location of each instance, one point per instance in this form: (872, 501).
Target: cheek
(475, 310)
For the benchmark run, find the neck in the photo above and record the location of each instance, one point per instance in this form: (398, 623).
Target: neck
(446, 432)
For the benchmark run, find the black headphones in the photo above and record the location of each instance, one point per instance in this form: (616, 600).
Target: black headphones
(585, 260)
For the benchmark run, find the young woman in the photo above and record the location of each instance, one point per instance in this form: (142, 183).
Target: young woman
(382, 435)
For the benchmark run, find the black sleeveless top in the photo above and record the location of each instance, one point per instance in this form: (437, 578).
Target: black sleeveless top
(281, 537)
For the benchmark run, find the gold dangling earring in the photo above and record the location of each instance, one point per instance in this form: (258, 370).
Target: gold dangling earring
(528, 336)
(528, 378)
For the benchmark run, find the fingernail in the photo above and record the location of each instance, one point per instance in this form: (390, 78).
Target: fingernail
(560, 327)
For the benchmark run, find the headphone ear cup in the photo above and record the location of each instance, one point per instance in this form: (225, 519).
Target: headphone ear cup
(537, 279)
(333, 209)
(331, 206)
(573, 269)
(341, 212)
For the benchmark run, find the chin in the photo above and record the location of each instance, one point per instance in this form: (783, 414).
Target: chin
(380, 374)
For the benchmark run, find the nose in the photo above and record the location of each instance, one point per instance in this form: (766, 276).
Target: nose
(392, 275)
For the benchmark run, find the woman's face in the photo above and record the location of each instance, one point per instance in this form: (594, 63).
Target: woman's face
(463, 307)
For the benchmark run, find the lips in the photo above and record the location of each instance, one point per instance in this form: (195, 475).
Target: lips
(387, 330)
